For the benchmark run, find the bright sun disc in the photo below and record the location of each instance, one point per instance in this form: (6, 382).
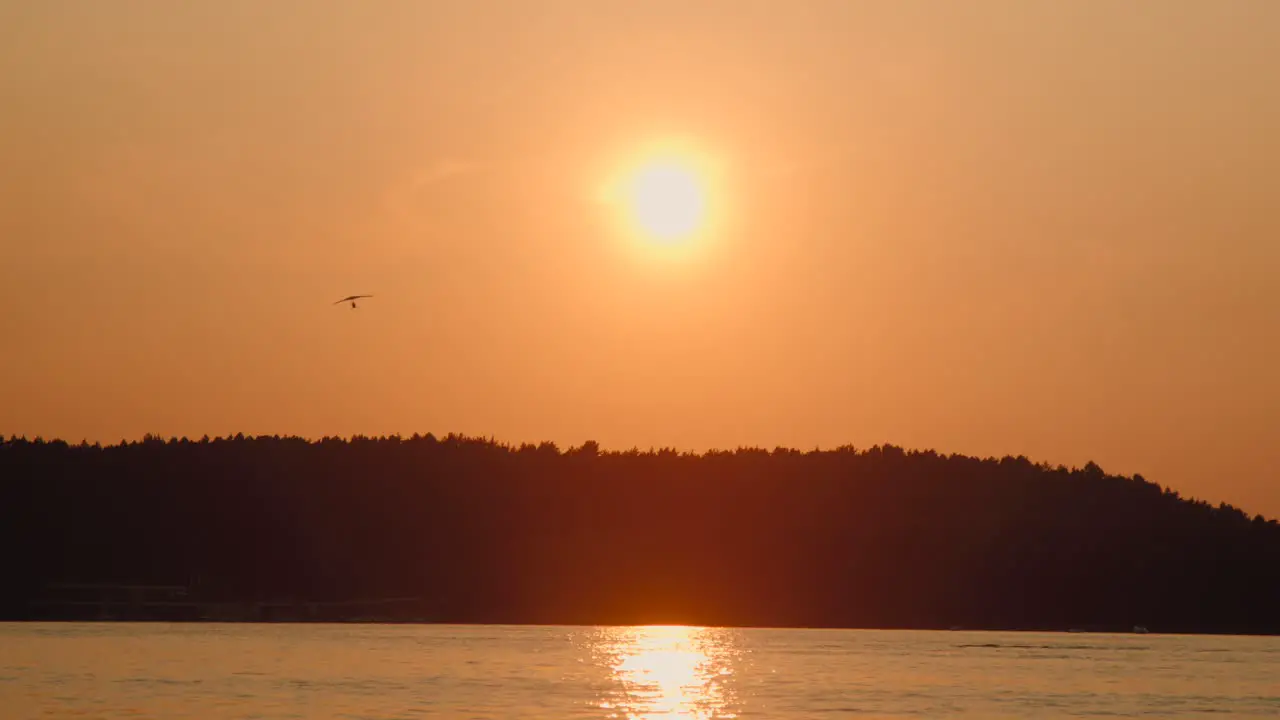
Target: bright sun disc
(666, 200)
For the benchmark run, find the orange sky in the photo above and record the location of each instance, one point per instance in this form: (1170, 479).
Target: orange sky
(1000, 227)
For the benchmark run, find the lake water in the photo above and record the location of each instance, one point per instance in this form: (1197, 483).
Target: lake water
(217, 671)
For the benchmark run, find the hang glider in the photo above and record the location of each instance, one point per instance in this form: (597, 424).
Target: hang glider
(351, 299)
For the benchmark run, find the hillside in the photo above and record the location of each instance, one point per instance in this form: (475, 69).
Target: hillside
(467, 530)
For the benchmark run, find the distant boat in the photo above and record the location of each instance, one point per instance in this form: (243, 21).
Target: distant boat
(1141, 629)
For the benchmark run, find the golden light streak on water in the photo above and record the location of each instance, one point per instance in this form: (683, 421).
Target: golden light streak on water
(670, 672)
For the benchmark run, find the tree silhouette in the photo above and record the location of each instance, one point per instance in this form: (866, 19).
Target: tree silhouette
(484, 532)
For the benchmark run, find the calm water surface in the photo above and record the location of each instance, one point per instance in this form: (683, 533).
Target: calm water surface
(219, 672)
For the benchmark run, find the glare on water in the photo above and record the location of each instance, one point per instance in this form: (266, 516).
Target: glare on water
(669, 672)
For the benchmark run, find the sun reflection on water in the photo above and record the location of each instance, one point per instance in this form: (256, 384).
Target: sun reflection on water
(668, 672)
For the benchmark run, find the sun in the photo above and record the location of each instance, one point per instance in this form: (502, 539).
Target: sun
(666, 200)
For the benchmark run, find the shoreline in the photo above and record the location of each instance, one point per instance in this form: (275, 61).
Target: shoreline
(460, 623)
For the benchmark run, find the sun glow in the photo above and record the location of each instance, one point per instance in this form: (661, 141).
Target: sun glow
(666, 200)
(666, 197)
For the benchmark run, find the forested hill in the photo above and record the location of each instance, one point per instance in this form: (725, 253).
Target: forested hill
(476, 531)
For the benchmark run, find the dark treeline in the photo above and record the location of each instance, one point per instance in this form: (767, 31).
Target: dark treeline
(482, 532)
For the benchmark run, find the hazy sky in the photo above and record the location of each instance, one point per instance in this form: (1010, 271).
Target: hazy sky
(1000, 227)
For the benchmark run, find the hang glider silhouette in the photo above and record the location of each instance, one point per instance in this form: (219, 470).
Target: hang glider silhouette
(351, 299)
